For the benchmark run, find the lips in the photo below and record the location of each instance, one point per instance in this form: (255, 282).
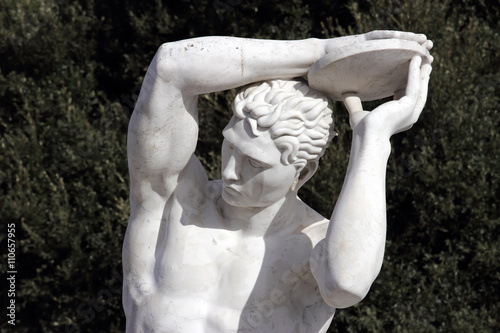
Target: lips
(230, 189)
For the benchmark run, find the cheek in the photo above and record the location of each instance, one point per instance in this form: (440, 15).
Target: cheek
(276, 183)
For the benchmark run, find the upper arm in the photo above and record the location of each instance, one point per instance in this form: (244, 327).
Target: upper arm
(164, 126)
(163, 130)
(161, 140)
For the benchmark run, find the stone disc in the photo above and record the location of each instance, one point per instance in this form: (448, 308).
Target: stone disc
(372, 70)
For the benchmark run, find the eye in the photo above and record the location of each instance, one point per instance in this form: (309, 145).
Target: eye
(255, 163)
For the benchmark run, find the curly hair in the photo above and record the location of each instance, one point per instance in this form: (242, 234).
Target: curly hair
(299, 119)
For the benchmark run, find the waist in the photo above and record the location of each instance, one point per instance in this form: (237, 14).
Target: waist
(178, 312)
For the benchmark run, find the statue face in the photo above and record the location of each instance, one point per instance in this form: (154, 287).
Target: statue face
(252, 172)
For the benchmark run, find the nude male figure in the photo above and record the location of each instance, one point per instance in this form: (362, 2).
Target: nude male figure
(245, 254)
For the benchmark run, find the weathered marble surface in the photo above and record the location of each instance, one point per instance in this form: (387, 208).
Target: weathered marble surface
(245, 254)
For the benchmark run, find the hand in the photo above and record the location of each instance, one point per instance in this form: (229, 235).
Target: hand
(334, 43)
(397, 115)
(390, 34)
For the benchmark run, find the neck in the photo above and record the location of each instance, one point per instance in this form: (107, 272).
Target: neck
(261, 221)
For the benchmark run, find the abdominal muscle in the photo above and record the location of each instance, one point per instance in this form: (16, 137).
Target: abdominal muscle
(182, 313)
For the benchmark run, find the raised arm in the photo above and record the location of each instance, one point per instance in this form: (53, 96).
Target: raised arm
(164, 127)
(348, 260)
(164, 123)
(163, 130)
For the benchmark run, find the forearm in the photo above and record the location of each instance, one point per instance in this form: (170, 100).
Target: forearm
(209, 64)
(349, 259)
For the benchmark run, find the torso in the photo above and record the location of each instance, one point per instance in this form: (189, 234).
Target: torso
(210, 278)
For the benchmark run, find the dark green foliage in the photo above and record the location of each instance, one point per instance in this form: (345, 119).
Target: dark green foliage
(63, 170)
(70, 72)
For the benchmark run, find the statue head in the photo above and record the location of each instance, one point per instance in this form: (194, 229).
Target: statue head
(283, 127)
(298, 118)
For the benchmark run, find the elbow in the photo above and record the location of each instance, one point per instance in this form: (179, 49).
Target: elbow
(344, 293)
(164, 62)
(341, 283)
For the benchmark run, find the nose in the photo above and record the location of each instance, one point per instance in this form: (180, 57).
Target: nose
(230, 170)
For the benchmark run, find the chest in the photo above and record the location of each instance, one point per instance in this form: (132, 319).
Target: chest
(247, 283)
(201, 260)
(232, 265)
(233, 281)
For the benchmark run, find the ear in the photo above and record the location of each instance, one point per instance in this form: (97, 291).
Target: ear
(305, 174)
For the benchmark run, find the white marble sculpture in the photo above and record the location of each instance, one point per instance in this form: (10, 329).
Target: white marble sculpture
(245, 254)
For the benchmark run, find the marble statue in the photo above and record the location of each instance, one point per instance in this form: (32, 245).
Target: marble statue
(245, 254)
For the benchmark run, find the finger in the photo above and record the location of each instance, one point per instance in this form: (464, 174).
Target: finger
(422, 98)
(413, 67)
(419, 38)
(388, 34)
(413, 84)
(424, 86)
(425, 71)
(428, 44)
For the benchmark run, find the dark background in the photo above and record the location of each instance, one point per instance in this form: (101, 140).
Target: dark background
(70, 72)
